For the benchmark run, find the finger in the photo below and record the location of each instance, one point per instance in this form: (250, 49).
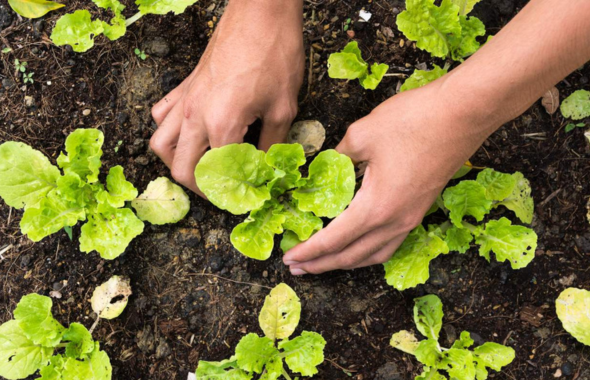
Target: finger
(161, 109)
(357, 252)
(165, 139)
(353, 145)
(383, 255)
(192, 145)
(228, 132)
(274, 131)
(353, 223)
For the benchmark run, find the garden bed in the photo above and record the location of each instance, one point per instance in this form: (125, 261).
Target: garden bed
(194, 295)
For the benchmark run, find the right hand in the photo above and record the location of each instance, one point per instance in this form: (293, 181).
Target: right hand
(252, 69)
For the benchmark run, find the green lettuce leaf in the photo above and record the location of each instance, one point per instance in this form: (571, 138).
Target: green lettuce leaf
(33, 314)
(53, 214)
(286, 157)
(303, 223)
(458, 364)
(498, 186)
(420, 78)
(255, 237)
(74, 191)
(405, 341)
(33, 8)
(428, 352)
(347, 64)
(572, 309)
(223, 370)
(429, 25)
(161, 7)
(119, 189)
(465, 6)
(162, 202)
(494, 355)
(83, 147)
(253, 352)
(101, 364)
(466, 198)
(19, 356)
(280, 313)
(576, 106)
(234, 177)
(330, 185)
(116, 29)
(409, 266)
(517, 244)
(466, 44)
(273, 369)
(464, 341)
(113, 5)
(458, 239)
(372, 80)
(79, 339)
(77, 30)
(431, 374)
(26, 175)
(289, 240)
(54, 369)
(304, 353)
(520, 201)
(110, 233)
(428, 315)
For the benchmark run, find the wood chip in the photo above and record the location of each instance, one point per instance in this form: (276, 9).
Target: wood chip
(531, 315)
(551, 101)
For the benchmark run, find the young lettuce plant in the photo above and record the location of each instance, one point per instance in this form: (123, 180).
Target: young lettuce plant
(53, 200)
(79, 30)
(278, 320)
(239, 178)
(444, 31)
(576, 106)
(29, 342)
(459, 362)
(573, 306)
(409, 266)
(349, 64)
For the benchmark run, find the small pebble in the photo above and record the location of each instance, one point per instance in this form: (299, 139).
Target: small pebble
(86, 112)
(350, 33)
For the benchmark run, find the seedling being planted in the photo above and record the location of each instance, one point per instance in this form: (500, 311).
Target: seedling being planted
(267, 355)
(53, 200)
(349, 64)
(459, 362)
(34, 341)
(409, 266)
(239, 178)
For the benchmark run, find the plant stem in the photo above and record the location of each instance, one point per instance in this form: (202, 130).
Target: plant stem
(470, 227)
(286, 375)
(133, 18)
(61, 345)
(399, 75)
(94, 325)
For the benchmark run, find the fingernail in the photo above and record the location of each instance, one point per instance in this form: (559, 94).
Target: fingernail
(290, 262)
(298, 272)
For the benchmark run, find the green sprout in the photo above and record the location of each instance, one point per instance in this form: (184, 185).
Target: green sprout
(20, 66)
(28, 78)
(140, 54)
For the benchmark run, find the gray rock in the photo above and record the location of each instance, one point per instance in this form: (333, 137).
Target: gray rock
(142, 84)
(163, 350)
(157, 46)
(388, 371)
(309, 133)
(8, 83)
(145, 340)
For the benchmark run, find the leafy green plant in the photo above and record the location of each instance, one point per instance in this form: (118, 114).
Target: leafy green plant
(572, 310)
(571, 126)
(53, 200)
(420, 78)
(445, 31)
(79, 30)
(29, 342)
(140, 54)
(278, 320)
(33, 8)
(239, 178)
(459, 362)
(576, 106)
(349, 64)
(409, 266)
(28, 77)
(20, 66)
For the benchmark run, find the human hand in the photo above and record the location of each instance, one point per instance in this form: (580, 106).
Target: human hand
(413, 144)
(252, 69)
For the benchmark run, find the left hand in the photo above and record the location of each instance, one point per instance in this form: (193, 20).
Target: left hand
(413, 144)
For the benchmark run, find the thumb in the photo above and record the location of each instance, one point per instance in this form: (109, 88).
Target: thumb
(355, 144)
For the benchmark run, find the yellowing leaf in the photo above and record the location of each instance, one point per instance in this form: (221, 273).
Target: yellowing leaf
(104, 295)
(551, 100)
(404, 341)
(280, 314)
(33, 8)
(573, 310)
(162, 202)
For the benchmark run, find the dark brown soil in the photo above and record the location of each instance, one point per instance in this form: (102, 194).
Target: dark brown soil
(195, 296)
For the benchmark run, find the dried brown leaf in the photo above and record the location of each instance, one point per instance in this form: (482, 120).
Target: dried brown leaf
(551, 100)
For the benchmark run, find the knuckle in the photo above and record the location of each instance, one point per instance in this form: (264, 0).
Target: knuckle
(347, 261)
(181, 176)
(189, 107)
(328, 246)
(157, 144)
(410, 221)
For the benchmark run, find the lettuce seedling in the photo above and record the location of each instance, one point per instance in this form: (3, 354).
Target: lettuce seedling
(79, 30)
(53, 200)
(572, 310)
(34, 341)
(409, 266)
(349, 64)
(444, 31)
(576, 106)
(239, 178)
(278, 320)
(459, 362)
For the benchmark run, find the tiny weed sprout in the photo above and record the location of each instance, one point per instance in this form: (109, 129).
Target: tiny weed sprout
(79, 30)
(576, 106)
(20, 66)
(29, 342)
(349, 64)
(409, 266)
(278, 320)
(572, 307)
(53, 200)
(33, 8)
(140, 54)
(28, 77)
(239, 178)
(444, 31)
(459, 362)
(571, 126)
(6, 50)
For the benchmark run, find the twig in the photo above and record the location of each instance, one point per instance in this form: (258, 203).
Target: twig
(228, 279)
(4, 250)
